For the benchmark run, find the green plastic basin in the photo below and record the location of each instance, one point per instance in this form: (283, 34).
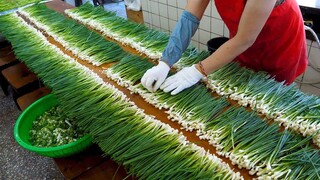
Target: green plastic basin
(24, 124)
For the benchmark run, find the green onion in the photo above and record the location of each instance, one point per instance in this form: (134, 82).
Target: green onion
(131, 68)
(11, 4)
(54, 128)
(82, 42)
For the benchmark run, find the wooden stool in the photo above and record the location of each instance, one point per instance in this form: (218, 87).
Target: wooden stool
(21, 79)
(27, 99)
(5, 62)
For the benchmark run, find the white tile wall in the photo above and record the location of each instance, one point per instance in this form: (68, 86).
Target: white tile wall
(163, 1)
(196, 36)
(155, 20)
(181, 4)
(202, 46)
(171, 10)
(310, 89)
(172, 3)
(195, 43)
(163, 10)
(173, 13)
(164, 24)
(214, 35)
(226, 31)
(180, 12)
(207, 12)
(314, 55)
(217, 26)
(164, 14)
(154, 7)
(205, 23)
(214, 12)
(144, 5)
(312, 74)
(204, 36)
(172, 24)
(146, 18)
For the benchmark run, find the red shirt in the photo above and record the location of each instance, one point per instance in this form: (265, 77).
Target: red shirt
(280, 48)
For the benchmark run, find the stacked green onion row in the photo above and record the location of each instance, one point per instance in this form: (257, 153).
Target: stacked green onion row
(237, 134)
(83, 43)
(138, 36)
(12, 4)
(131, 68)
(190, 57)
(149, 148)
(54, 128)
(287, 105)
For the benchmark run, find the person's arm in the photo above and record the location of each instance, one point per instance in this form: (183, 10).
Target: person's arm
(254, 17)
(197, 7)
(184, 30)
(178, 42)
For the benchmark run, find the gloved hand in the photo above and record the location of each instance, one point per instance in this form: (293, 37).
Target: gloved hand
(183, 79)
(155, 76)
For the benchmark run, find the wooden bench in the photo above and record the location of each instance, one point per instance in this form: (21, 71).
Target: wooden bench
(27, 99)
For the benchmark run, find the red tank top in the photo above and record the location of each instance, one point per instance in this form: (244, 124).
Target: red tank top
(280, 48)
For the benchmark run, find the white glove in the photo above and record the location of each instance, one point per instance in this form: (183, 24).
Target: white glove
(155, 76)
(183, 79)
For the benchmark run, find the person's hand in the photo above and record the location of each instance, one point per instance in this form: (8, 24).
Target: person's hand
(155, 76)
(183, 79)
